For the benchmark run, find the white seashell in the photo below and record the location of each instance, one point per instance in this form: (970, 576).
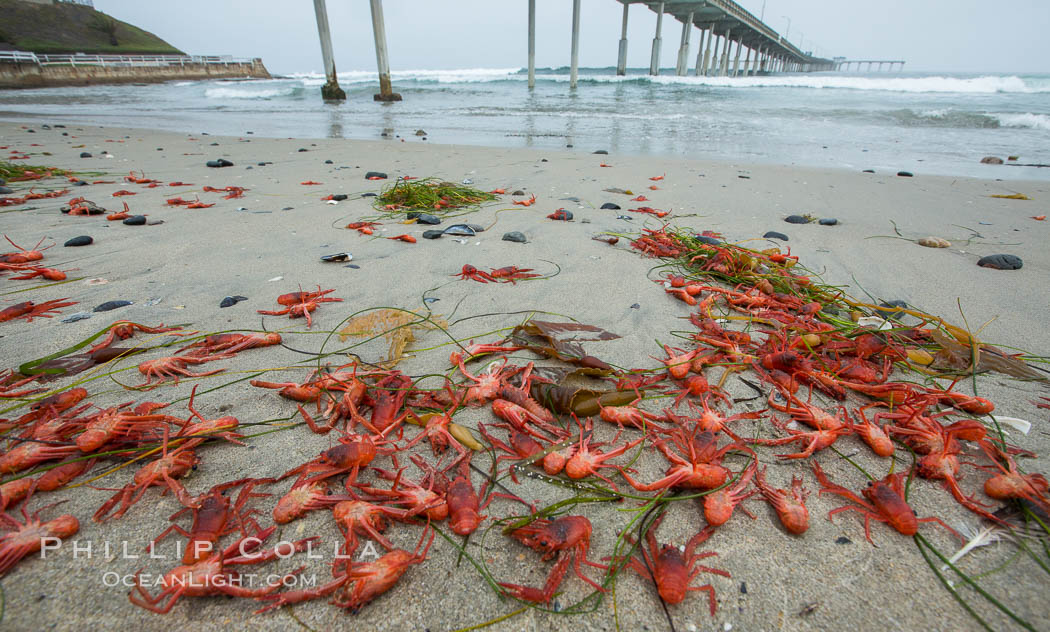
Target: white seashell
(1019, 425)
(874, 321)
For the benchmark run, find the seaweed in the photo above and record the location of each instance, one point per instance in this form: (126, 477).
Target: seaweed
(429, 194)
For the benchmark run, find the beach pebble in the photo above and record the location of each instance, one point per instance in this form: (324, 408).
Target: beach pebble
(135, 220)
(1001, 262)
(602, 152)
(797, 219)
(425, 218)
(83, 240)
(85, 154)
(711, 241)
(302, 149)
(329, 162)
(610, 206)
(828, 221)
(868, 171)
(636, 306)
(364, 195)
(775, 235)
(72, 318)
(891, 314)
(934, 242)
(433, 234)
(991, 160)
(339, 197)
(110, 305)
(80, 183)
(221, 162)
(518, 192)
(230, 301)
(743, 588)
(2, 182)
(905, 174)
(263, 164)
(339, 256)
(375, 175)
(6, 190)
(420, 132)
(843, 540)
(515, 236)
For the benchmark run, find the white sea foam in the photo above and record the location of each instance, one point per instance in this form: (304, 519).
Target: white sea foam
(463, 75)
(1026, 120)
(249, 93)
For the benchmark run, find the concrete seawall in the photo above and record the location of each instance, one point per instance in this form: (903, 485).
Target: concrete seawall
(31, 75)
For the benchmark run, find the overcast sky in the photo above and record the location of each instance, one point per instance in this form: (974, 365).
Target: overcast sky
(946, 35)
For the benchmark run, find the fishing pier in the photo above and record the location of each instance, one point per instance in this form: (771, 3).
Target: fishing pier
(726, 31)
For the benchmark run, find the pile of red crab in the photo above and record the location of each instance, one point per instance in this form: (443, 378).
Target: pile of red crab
(371, 476)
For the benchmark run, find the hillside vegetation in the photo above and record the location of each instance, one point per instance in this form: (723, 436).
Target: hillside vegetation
(73, 28)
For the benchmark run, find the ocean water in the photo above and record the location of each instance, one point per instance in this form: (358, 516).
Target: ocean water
(920, 122)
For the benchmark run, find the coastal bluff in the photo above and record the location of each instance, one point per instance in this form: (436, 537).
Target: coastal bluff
(27, 72)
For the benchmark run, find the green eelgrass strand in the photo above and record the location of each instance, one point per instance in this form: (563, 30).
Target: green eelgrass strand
(966, 578)
(432, 195)
(950, 588)
(13, 172)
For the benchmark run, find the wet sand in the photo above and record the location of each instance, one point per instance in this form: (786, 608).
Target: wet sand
(269, 242)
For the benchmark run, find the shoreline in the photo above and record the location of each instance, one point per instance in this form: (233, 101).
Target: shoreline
(196, 257)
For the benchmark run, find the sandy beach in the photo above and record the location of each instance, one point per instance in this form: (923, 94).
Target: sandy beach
(178, 267)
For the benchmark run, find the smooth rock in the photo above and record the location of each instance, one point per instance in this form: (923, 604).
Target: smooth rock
(797, 219)
(433, 234)
(991, 160)
(339, 197)
(375, 174)
(80, 183)
(425, 218)
(905, 174)
(221, 162)
(515, 236)
(462, 230)
(610, 206)
(775, 235)
(227, 301)
(1001, 262)
(85, 154)
(868, 171)
(6, 190)
(602, 152)
(420, 132)
(843, 540)
(135, 220)
(72, 318)
(518, 192)
(339, 256)
(83, 240)
(711, 241)
(828, 221)
(891, 314)
(110, 305)
(302, 149)
(329, 162)
(2, 182)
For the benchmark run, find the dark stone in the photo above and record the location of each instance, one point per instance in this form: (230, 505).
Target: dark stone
(2, 182)
(45, 126)
(83, 240)
(711, 241)
(891, 314)
(221, 162)
(905, 174)
(518, 192)
(302, 149)
(368, 195)
(828, 221)
(843, 540)
(991, 160)
(339, 197)
(610, 206)
(743, 588)
(797, 219)
(569, 145)
(329, 162)
(228, 301)
(744, 177)
(775, 235)
(339, 256)
(215, 144)
(109, 305)
(5, 190)
(31, 131)
(543, 160)
(1001, 262)
(515, 236)
(636, 306)
(425, 218)
(868, 171)
(160, 149)
(602, 152)
(80, 183)
(135, 220)
(85, 154)
(433, 234)
(375, 174)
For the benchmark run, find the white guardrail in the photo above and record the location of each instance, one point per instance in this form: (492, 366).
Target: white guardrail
(118, 60)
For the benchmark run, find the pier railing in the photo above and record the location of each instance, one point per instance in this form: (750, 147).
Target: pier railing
(119, 60)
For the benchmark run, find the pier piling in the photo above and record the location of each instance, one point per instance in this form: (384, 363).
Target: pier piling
(532, 43)
(621, 57)
(654, 60)
(330, 91)
(700, 52)
(683, 47)
(386, 92)
(575, 62)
